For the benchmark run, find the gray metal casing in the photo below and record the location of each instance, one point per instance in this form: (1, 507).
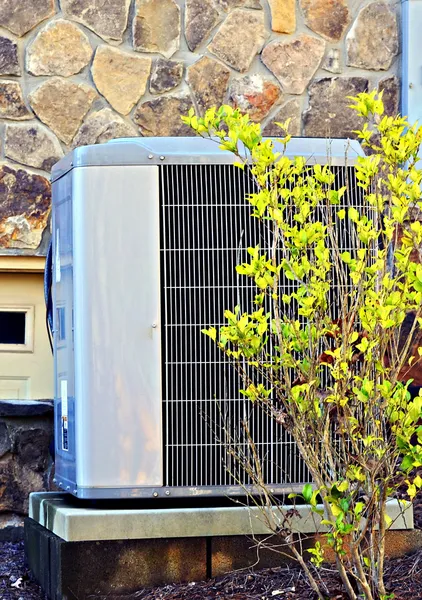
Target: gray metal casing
(106, 299)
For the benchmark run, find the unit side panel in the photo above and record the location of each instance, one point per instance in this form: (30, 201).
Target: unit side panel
(117, 327)
(63, 332)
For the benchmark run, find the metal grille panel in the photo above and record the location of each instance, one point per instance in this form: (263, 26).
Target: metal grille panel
(206, 228)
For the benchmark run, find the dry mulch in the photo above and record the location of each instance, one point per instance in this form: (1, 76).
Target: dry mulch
(403, 577)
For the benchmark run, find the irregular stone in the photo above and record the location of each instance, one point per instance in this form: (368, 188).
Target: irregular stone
(332, 61)
(24, 208)
(230, 4)
(254, 95)
(120, 77)
(62, 104)
(290, 110)
(20, 17)
(390, 87)
(106, 18)
(329, 18)
(32, 144)
(5, 443)
(373, 41)
(16, 483)
(283, 15)
(12, 104)
(201, 17)
(329, 114)
(161, 116)
(294, 62)
(165, 75)
(103, 126)
(9, 61)
(29, 408)
(240, 38)
(157, 27)
(61, 48)
(208, 80)
(31, 444)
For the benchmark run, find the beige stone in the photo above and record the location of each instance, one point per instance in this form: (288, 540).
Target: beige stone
(120, 77)
(62, 104)
(107, 18)
(157, 27)
(373, 41)
(103, 126)
(24, 211)
(254, 96)
(283, 15)
(201, 17)
(161, 116)
(12, 103)
(390, 88)
(32, 144)
(20, 16)
(290, 110)
(332, 61)
(240, 38)
(208, 80)
(329, 18)
(61, 48)
(295, 61)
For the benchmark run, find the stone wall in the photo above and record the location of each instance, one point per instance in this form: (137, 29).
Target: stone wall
(80, 72)
(26, 433)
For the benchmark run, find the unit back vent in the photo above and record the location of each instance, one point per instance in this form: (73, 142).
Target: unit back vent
(206, 229)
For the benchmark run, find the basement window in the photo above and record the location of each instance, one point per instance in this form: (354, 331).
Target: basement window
(16, 328)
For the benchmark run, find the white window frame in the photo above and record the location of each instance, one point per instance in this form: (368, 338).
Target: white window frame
(29, 311)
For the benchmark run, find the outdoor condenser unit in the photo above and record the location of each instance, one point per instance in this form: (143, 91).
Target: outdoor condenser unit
(146, 236)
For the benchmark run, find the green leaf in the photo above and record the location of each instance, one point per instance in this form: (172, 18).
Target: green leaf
(307, 492)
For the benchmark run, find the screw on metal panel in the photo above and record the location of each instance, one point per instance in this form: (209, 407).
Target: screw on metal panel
(60, 484)
(150, 156)
(162, 157)
(54, 480)
(411, 85)
(167, 493)
(155, 494)
(154, 325)
(75, 492)
(67, 488)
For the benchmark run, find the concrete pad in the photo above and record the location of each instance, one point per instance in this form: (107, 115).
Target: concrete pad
(58, 513)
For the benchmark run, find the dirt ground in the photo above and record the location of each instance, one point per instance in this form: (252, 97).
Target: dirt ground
(403, 578)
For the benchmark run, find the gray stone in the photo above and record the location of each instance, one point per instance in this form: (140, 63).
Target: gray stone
(103, 126)
(62, 104)
(16, 483)
(121, 77)
(20, 17)
(61, 48)
(373, 41)
(25, 408)
(201, 17)
(5, 443)
(32, 144)
(240, 38)
(231, 4)
(332, 61)
(165, 76)
(157, 27)
(161, 116)
(11, 528)
(9, 61)
(329, 114)
(107, 18)
(329, 18)
(208, 80)
(31, 445)
(254, 95)
(24, 209)
(294, 62)
(12, 104)
(290, 110)
(390, 87)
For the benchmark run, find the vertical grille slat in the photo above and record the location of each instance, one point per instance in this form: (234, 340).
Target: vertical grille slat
(206, 228)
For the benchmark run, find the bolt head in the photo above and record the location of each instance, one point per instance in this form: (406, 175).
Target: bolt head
(155, 494)
(150, 156)
(167, 493)
(162, 157)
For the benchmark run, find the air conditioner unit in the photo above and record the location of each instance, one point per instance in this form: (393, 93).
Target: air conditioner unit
(146, 236)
